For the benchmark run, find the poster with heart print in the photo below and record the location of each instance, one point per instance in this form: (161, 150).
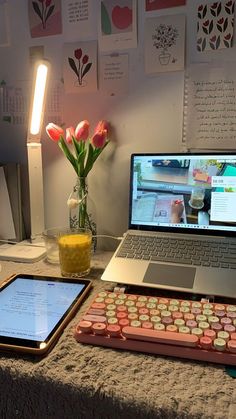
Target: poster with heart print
(117, 25)
(215, 25)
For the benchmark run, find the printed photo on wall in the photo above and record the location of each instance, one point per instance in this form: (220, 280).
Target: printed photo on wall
(164, 44)
(117, 24)
(80, 67)
(163, 4)
(215, 25)
(44, 17)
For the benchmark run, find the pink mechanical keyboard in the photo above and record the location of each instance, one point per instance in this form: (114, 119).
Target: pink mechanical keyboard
(196, 330)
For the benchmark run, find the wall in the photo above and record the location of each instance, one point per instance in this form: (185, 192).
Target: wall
(148, 119)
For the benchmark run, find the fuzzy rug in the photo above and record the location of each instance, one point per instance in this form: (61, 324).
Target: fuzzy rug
(82, 381)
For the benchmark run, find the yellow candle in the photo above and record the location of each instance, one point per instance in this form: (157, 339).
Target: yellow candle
(75, 254)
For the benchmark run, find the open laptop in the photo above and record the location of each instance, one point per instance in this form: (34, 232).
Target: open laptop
(182, 211)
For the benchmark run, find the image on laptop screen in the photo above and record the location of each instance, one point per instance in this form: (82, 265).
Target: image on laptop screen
(184, 191)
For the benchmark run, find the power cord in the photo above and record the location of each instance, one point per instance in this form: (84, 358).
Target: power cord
(107, 236)
(38, 245)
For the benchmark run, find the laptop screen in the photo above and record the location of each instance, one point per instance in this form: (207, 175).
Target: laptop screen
(183, 192)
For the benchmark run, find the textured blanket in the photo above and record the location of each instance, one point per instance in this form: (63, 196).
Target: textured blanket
(83, 381)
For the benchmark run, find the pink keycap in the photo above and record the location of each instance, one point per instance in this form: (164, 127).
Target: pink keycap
(94, 319)
(85, 326)
(99, 328)
(232, 346)
(113, 330)
(205, 342)
(170, 338)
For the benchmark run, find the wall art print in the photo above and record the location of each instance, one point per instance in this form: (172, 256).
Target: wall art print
(45, 17)
(215, 25)
(164, 44)
(118, 24)
(163, 4)
(80, 67)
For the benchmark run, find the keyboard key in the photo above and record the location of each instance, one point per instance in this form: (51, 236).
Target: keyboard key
(170, 338)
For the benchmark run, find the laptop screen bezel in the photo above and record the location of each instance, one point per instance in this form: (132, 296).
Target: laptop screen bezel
(179, 230)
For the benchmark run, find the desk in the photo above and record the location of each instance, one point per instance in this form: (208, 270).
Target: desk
(78, 381)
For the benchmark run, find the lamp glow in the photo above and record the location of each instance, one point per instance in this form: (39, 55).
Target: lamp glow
(34, 150)
(22, 251)
(38, 100)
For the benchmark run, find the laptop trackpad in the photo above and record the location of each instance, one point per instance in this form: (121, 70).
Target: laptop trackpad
(173, 276)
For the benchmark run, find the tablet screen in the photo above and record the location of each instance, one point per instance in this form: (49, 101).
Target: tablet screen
(32, 308)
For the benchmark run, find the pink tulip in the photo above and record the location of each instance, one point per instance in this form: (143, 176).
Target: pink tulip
(99, 138)
(102, 125)
(70, 132)
(54, 131)
(82, 131)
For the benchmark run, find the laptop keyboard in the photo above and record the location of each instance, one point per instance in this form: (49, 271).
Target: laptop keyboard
(176, 250)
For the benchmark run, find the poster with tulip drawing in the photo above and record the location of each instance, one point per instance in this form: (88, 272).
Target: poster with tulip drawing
(215, 25)
(45, 17)
(80, 67)
(164, 44)
(117, 24)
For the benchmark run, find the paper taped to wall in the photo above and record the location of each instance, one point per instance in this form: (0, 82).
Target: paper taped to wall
(210, 107)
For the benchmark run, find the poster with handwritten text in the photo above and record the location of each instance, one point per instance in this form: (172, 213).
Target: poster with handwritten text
(210, 107)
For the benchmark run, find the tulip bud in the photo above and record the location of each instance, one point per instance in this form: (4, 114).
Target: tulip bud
(54, 131)
(99, 139)
(70, 132)
(102, 125)
(82, 131)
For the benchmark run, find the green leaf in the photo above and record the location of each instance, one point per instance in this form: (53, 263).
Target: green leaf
(80, 152)
(90, 160)
(37, 9)
(73, 66)
(68, 154)
(86, 69)
(105, 20)
(50, 10)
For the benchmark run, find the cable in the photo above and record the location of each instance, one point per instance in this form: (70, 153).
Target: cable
(20, 243)
(107, 236)
(37, 245)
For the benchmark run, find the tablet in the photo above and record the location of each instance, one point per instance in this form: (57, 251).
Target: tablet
(35, 309)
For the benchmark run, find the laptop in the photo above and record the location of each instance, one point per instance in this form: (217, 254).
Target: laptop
(182, 224)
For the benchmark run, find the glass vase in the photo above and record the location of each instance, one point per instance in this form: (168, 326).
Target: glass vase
(82, 209)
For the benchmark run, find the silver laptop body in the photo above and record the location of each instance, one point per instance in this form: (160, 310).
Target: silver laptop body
(182, 224)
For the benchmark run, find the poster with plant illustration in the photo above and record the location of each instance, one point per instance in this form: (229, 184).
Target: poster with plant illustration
(45, 17)
(80, 67)
(215, 25)
(117, 24)
(164, 44)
